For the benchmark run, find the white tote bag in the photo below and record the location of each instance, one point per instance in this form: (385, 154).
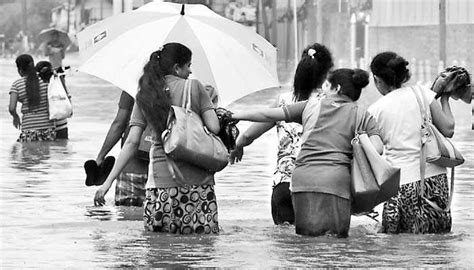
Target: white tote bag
(60, 106)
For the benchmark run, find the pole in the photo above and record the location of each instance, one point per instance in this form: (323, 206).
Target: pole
(312, 21)
(319, 21)
(353, 41)
(295, 19)
(68, 15)
(257, 17)
(274, 23)
(25, 16)
(366, 41)
(442, 30)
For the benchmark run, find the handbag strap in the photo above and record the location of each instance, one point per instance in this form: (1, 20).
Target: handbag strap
(424, 137)
(186, 101)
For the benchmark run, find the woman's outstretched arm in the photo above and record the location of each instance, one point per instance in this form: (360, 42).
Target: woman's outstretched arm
(128, 151)
(261, 115)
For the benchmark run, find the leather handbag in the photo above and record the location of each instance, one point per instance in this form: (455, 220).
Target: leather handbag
(436, 149)
(439, 149)
(373, 179)
(187, 139)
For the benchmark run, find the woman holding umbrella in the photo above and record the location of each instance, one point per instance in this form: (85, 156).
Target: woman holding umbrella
(169, 207)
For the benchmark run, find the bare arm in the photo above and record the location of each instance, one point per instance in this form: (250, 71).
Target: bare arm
(128, 151)
(442, 116)
(12, 110)
(211, 122)
(261, 115)
(117, 128)
(253, 132)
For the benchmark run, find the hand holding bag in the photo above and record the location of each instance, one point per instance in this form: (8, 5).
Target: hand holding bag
(436, 149)
(59, 105)
(187, 139)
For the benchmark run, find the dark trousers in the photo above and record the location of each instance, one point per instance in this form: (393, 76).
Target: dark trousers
(282, 207)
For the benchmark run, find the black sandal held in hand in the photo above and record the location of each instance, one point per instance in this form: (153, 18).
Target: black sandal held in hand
(96, 175)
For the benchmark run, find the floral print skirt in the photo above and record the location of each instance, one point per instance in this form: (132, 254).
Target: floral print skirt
(37, 135)
(181, 210)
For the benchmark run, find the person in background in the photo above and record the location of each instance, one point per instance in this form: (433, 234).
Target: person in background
(183, 206)
(320, 182)
(130, 186)
(315, 63)
(55, 50)
(32, 93)
(399, 120)
(45, 71)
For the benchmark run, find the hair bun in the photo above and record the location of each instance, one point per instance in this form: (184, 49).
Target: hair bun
(397, 63)
(360, 78)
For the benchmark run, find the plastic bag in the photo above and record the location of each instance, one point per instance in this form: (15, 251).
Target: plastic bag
(60, 106)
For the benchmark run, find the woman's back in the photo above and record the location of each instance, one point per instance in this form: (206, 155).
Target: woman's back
(35, 118)
(399, 119)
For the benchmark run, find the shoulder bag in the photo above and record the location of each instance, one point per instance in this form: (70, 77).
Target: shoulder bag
(436, 149)
(373, 179)
(187, 139)
(59, 105)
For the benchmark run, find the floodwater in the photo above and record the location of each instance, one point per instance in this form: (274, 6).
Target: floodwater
(48, 218)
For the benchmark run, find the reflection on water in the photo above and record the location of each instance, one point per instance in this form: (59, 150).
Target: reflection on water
(48, 218)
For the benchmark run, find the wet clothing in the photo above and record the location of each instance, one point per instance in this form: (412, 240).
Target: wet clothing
(181, 210)
(409, 213)
(320, 182)
(130, 189)
(323, 164)
(399, 120)
(130, 186)
(282, 207)
(159, 174)
(37, 135)
(319, 213)
(36, 118)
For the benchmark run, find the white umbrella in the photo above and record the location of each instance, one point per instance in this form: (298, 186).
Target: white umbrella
(229, 56)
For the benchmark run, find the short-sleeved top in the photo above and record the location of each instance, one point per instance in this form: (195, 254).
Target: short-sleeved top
(399, 120)
(134, 165)
(159, 175)
(289, 143)
(38, 117)
(328, 128)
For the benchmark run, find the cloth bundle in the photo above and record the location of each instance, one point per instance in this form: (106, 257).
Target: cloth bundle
(229, 131)
(455, 81)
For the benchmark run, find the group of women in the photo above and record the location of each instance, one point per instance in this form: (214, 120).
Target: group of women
(31, 90)
(315, 124)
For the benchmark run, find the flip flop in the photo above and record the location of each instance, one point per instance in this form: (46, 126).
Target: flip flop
(92, 172)
(104, 170)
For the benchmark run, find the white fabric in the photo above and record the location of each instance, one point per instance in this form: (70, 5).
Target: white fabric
(399, 120)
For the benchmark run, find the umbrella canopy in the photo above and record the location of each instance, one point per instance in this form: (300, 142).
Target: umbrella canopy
(46, 35)
(229, 56)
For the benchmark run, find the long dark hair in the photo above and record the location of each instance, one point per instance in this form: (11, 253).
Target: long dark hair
(45, 70)
(315, 63)
(391, 68)
(26, 67)
(152, 98)
(351, 81)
